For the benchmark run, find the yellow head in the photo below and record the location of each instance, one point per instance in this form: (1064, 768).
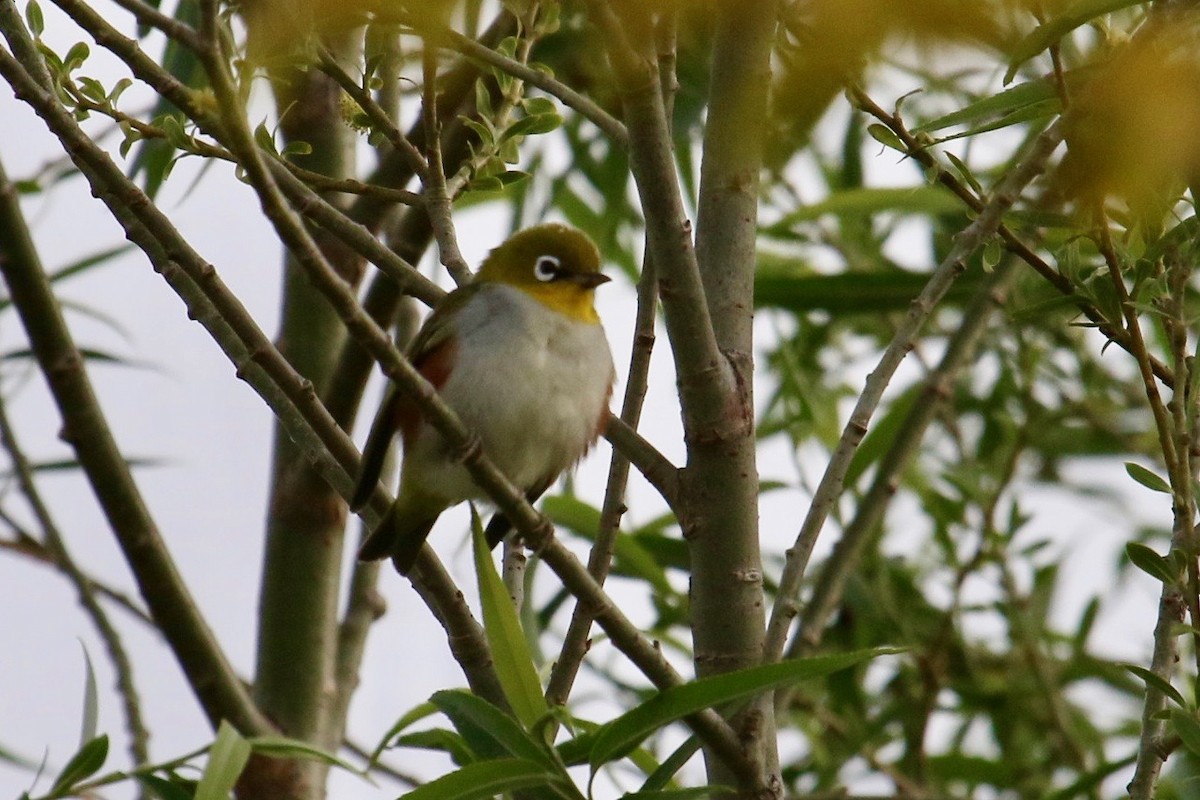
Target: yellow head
(555, 264)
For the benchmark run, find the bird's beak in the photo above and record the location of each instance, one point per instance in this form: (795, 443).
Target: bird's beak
(589, 280)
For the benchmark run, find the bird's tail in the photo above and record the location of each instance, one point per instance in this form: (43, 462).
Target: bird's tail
(398, 536)
(379, 441)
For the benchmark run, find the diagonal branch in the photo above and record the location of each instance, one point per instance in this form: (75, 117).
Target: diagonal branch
(830, 487)
(859, 532)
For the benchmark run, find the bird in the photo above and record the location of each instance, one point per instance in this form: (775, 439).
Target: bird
(520, 354)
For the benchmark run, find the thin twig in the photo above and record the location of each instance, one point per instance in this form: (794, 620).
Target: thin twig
(354, 235)
(378, 116)
(830, 487)
(38, 553)
(437, 200)
(1172, 601)
(139, 734)
(656, 468)
(861, 529)
(324, 183)
(150, 17)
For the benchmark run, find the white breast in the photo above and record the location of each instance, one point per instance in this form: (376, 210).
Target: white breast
(532, 383)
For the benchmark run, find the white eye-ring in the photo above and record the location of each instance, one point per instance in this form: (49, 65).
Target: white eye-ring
(546, 268)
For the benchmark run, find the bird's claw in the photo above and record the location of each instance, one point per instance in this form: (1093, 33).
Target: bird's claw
(470, 450)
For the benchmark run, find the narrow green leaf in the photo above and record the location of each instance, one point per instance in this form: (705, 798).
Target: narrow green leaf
(620, 736)
(1087, 784)
(297, 148)
(119, 89)
(106, 256)
(964, 171)
(850, 293)
(483, 100)
(490, 732)
(996, 105)
(512, 176)
(226, 759)
(1029, 113)
(1046, 34)
(484, 779)
(539, 105)
(92, 89)
(1147, 478)
(485, 185)
(672, 764)
(1188, 728)
(82, 765)
(631, 557)
(532, 125)
(976, 769)
(1158, 682)
(442, 740)
(510, 651)
(285, 747)
(91, 701)
(17, 760)
(993, 251)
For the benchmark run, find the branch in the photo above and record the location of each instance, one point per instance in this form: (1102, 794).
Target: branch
(654, 466)
(1172, 601)
(830, 487)
(575, 641)
(149, 16)
(705, 378)
(437, 199)
(380, 118)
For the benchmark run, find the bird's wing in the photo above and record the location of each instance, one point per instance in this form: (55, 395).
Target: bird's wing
(432, 354)
(375, 451)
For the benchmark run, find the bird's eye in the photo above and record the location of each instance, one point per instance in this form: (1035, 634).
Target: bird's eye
(546, 268)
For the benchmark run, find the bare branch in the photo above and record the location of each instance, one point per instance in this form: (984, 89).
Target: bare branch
(830, 487)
